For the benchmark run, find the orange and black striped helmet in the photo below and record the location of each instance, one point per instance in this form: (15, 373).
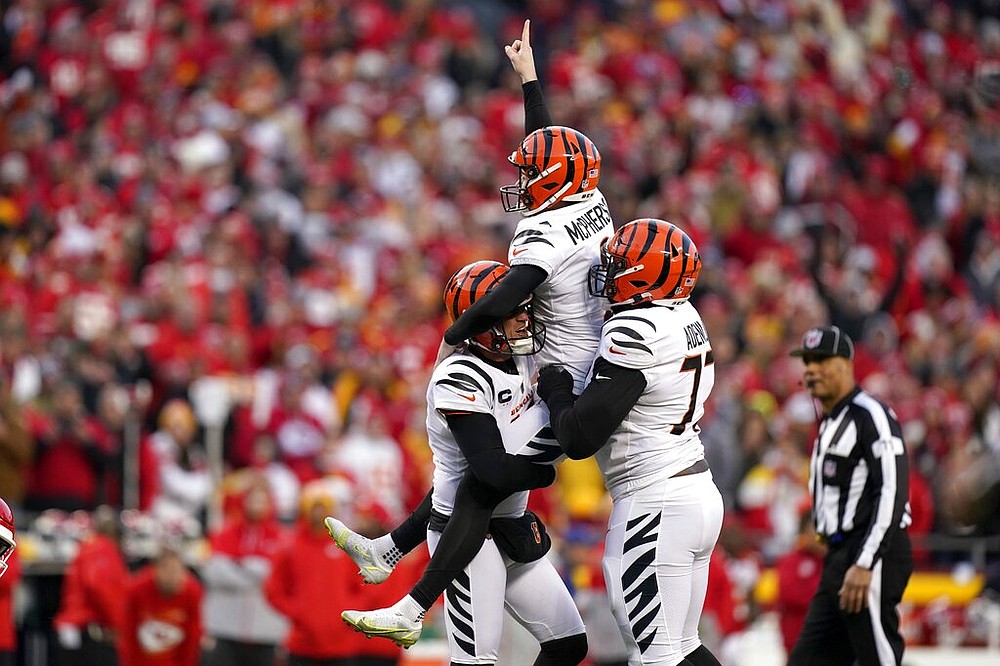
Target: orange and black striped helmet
(556, 164)
(647, 260)
(474, 281)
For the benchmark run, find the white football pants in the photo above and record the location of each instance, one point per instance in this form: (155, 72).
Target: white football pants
(474, 603)
(656, 565)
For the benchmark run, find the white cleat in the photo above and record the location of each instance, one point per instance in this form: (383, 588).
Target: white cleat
(372, 568)
(385, 623)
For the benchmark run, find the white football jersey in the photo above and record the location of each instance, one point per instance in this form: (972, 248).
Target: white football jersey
(659, 437)
(464, 383)
(565, 243)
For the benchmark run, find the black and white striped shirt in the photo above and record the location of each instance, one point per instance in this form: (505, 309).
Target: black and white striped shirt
(859, 476)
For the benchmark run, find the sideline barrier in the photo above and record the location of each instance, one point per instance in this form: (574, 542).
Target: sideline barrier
(923, 588)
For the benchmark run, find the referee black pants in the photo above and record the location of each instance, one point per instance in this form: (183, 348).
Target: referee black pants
(871, 637)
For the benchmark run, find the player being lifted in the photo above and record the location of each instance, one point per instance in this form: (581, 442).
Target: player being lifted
(481, 406)
(554, 247)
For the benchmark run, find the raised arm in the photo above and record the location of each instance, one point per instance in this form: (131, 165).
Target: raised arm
(522, 59)
(497, 304)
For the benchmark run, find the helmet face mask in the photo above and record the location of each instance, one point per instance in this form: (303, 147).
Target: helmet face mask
(6, 549)
(603, 277)
(646, 260)
(527, 337)
(518, 334)
(517, 198)
(555, 164)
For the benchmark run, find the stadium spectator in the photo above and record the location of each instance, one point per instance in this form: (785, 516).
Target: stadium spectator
(373, 521)
(163, 624)
(8, 630)
(581, 550)
(856, 297)
(91, 616)
(724, 616)
(112, 412)
(16, 446)
(72, 450)
(246, 629)
(798, 572)
(174, 479)
(310, 581)
(373, 461)
(282, 482)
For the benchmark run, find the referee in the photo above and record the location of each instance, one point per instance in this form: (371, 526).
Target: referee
(858, 479)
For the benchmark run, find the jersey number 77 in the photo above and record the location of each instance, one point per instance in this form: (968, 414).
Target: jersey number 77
(695, 363)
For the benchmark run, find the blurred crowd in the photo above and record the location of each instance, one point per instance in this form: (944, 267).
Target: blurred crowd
(271, 194)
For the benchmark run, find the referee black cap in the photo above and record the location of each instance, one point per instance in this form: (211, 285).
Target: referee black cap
(826, 341)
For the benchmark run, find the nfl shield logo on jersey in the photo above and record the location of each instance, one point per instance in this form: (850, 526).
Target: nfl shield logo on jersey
(829, 468)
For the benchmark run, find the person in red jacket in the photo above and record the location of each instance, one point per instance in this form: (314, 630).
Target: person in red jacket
(246, 629)
(8, 637)
(163, 615)
(11, 566)
(310, 580)
(72, 449)
(7, 542)
(799, 573)
(721, 601)
(92, 604)
(373, 521)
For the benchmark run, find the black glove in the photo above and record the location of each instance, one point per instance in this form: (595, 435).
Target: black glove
(551, 379)
(552, 476)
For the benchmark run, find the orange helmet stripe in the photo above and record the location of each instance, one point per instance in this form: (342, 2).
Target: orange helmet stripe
(573, 159)
(663, 259)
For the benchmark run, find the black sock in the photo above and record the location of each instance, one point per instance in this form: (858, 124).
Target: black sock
(566, 651)
(413, 531)
(701, 656)
(461, 540)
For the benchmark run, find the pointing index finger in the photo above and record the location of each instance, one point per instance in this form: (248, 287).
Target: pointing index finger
(525, 33)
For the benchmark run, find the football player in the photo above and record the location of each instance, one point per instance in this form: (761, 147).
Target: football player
(639, 417)
(565, 221)
(481, 407)
(554, 247)
(7, 543)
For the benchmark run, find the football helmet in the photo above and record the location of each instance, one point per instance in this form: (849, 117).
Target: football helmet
(555, 164)
(473, 282)
(646, 260)
(7, 543)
